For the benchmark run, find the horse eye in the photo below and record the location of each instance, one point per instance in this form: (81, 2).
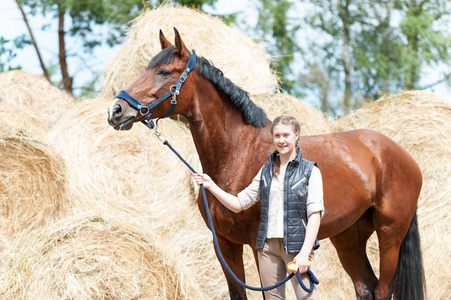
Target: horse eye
(163, 72)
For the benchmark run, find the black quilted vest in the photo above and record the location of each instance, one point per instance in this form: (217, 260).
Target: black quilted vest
(295, 184)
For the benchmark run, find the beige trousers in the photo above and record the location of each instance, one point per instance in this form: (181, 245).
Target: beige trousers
(272, 267)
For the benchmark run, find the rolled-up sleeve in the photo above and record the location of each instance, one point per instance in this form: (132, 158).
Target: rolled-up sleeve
(251, 194)
(315, 202)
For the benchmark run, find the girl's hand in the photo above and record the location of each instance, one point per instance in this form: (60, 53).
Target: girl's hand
(301, 263)
(203, 179)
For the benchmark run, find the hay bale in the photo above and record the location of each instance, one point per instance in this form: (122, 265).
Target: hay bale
(193, 241)
(30, 102)
(25, 119)
(421, 122)
(132, 171)
(312, 121)
(94, 257)
(4, 242)
(4, 247)
(32, 183)
(242, 60)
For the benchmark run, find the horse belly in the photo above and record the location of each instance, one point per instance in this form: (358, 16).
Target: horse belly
(344, 204)
(350, 172)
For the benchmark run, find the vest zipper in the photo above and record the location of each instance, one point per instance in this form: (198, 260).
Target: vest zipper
(285, 205)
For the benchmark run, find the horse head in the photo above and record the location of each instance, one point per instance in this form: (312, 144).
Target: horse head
(157, 92)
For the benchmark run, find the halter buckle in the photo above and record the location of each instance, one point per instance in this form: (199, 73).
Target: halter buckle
(144, 111)
(184, 75)
(175, 93)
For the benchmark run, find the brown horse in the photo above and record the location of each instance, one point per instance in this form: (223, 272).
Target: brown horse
(370, 182)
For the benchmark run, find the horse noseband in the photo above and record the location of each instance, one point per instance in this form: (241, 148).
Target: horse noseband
(174, 91)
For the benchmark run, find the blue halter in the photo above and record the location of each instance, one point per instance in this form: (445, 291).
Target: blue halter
(174, 91)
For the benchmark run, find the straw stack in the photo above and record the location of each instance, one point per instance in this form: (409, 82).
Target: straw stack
(30, 102)
(94, 257)
(32, 183)
(241, 59)
(312, 121)
(4, 247)
(131, 171)
(421, 122)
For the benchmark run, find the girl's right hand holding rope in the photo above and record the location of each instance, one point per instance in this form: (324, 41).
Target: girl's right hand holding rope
(228, 200)
(202, 179)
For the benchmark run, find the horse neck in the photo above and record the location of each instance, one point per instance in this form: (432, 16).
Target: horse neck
(219, 133)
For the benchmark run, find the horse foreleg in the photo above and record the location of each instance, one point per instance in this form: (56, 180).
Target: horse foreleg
(233, 255)
(351, 250)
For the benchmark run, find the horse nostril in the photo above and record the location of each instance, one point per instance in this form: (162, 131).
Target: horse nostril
(117, 109)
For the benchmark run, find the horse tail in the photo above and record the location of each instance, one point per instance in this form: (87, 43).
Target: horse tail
(409, 280)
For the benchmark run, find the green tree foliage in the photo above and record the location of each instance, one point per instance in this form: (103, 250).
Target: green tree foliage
(356, 51)
(199, 4)
(426, 28)
(278, 30)
(86, 14)
(8, 51)
(91, 23)
(391, 54)
(84, 17)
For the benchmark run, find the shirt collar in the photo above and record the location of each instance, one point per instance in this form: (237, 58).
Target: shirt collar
(296, 160)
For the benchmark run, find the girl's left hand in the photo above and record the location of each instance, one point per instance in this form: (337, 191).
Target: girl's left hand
(301, 262)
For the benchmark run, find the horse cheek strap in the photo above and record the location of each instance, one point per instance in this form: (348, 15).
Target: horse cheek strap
(174, 91)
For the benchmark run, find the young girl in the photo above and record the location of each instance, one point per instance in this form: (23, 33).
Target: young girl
(290, 192)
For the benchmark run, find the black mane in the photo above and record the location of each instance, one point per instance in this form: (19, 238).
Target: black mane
(166, 56)
(252, 114)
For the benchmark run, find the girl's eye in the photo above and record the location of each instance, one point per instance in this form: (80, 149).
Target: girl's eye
(163, 73)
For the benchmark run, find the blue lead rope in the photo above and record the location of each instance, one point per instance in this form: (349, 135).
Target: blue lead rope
(313, 279)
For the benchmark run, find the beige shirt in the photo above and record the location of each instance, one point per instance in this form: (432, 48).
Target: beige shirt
(251, 195)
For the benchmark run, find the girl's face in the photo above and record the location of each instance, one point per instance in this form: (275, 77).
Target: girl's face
(284, 138)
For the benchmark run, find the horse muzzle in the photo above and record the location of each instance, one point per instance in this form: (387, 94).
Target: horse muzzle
(118, 118)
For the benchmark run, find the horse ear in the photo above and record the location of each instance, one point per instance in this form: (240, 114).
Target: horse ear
(164, 41)
(180, 47)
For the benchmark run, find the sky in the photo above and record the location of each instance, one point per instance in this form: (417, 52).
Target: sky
(12, 25)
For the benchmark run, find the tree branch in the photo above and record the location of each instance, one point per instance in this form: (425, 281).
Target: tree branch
(376, 12)
(66, 79)
(444, 79)
(44, 69)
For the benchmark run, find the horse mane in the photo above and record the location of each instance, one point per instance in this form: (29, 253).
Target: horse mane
(166, 56)
(252, 114)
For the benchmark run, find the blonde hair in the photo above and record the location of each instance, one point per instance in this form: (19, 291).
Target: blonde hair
(285, 120)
